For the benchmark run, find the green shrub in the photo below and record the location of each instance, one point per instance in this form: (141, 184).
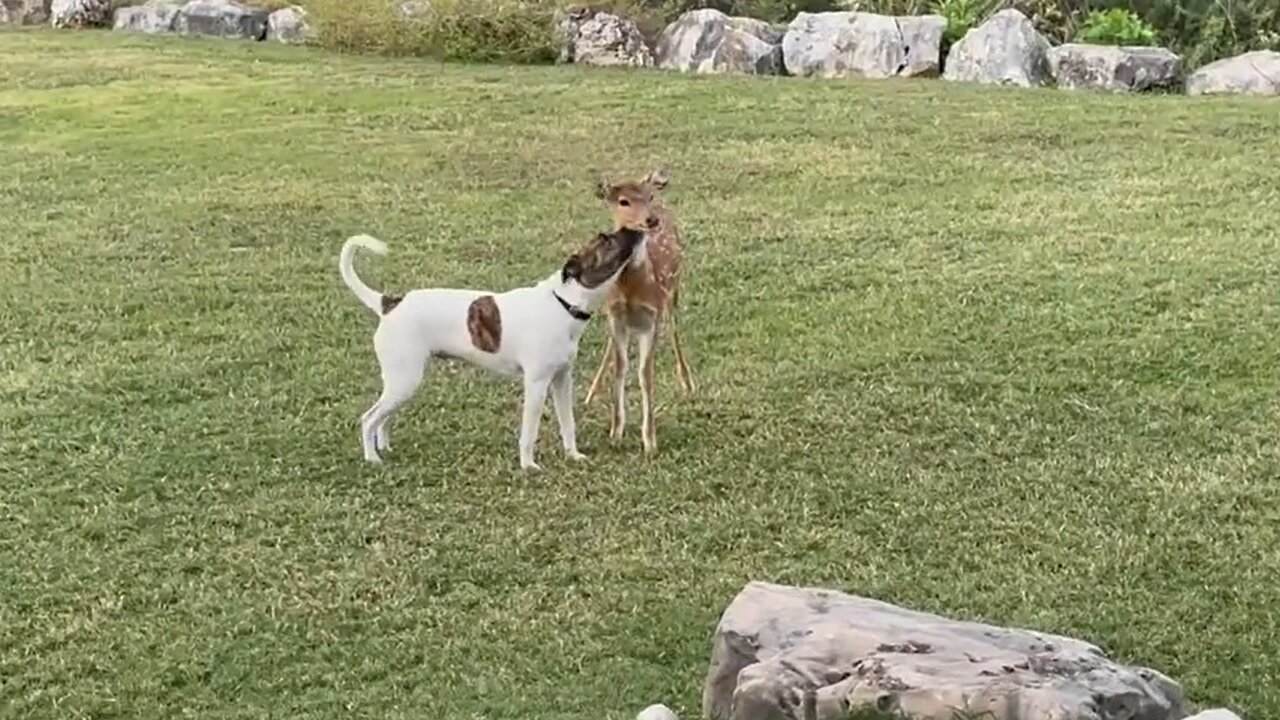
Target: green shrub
(1116, 26)
(1206, 30)
(961, 15)
(516, 31)
(890, 7)
(774, 11)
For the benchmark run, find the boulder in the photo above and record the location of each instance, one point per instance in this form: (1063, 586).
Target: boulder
(80, 13)
(1114, 69)
(1003, 50)
(859, 44)
(592, 37)
(151, 18)
(657, 712)
(1253, 73)
(708, 41)
(222, 19)
(786, 653)
(413, 10)
(288, 25)
(24, 12)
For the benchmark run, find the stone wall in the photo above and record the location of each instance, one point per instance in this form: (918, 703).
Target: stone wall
(1005, 49)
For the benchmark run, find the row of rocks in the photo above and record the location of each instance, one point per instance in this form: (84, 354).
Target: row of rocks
(1006, 49)
(214, 18)
(786, 653)
(211, 18)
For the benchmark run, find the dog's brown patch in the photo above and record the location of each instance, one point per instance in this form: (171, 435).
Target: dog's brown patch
(484, 322)
(389, 302)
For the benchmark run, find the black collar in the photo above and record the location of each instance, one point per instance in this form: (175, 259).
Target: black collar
(575, 313)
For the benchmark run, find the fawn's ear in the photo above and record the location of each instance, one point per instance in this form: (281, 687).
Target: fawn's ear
(658, 179)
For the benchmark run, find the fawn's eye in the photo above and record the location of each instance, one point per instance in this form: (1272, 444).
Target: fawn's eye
(624, 202)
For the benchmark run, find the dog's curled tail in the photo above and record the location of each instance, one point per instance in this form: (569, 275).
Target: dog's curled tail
(371, 298)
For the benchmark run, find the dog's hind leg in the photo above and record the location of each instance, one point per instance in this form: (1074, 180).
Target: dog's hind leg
(400, 379)
(382, 436)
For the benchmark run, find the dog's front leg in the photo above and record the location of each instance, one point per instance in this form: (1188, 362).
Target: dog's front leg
(535, 398)
(562, 399)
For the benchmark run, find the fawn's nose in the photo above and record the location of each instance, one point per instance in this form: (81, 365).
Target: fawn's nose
(652, 222)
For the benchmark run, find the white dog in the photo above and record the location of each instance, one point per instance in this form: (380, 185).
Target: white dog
(532, 331)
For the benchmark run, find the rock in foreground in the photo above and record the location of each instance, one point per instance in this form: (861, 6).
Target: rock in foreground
(80, 13)
(784, 653)
(221, 18)
(1114, 69)
(1006, 49)
(859, 44)
(708, 41)
(288, 25)
(1253, 73)
(657, 712)
(151, 18)
(24, 12)
(591, 37)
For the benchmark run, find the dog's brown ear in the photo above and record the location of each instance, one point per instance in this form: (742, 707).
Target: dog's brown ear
(572, 269)
(658, 179)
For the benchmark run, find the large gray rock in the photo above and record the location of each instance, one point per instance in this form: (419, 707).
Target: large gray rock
(838, 44)
(80, 13)
(413, 10)
(1003, 50)
(222, 19)
(289, 25)
(151, 18)
(24, 12)
(708, 41)
(1253, 73)
(592, 37)
(784, 653)
(1114, 69)
(657, 712)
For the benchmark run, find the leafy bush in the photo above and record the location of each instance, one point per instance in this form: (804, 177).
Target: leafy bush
(518, 31)
(1116, 26)
(774, 11)
(1206, 30)
(961, 15)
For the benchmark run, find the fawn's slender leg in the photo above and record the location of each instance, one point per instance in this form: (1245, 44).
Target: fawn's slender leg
(645, 346)
(621, 339)
(682, 365)
(604, 363)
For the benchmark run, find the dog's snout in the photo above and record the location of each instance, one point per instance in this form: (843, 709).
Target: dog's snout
(652, 221)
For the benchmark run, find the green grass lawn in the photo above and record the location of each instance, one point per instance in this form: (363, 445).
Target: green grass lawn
(1002, 355)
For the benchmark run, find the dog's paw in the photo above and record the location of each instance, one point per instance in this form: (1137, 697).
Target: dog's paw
(530, 466)
(576, 456)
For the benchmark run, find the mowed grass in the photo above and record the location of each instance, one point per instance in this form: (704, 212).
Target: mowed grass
(1004, 355)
